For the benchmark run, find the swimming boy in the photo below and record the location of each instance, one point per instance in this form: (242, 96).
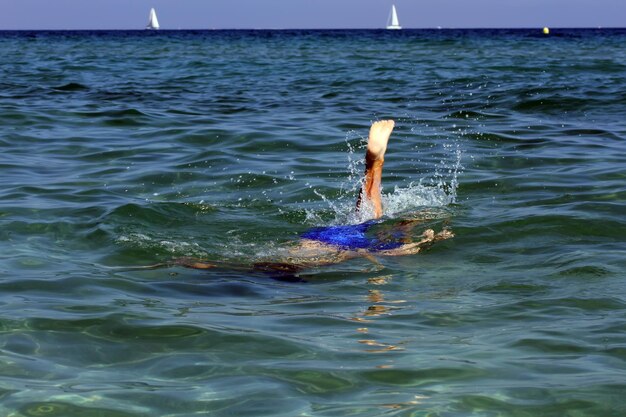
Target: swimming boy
(329, 245)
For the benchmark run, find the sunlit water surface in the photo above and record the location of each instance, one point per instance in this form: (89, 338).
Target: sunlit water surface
(121, 150)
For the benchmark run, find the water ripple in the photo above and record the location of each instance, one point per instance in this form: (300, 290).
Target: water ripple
(122, 150)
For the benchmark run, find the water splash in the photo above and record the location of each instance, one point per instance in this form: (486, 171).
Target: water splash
(416, 196)
(428, 196)
(435, 190)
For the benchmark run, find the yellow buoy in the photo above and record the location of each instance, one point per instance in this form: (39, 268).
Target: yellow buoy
(546, 31)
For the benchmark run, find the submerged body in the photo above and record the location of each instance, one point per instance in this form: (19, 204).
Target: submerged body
(333, 244)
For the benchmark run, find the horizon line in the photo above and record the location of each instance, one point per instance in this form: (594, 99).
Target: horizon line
(346, 29)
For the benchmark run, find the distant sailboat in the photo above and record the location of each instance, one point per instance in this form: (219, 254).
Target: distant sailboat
(392, 22)
(153, 22)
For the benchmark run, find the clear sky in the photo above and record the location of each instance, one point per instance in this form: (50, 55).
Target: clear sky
(281, 14)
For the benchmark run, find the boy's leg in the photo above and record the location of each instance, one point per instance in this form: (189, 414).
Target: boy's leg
(374, 160)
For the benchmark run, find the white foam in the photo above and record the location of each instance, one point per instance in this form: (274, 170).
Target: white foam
(155, 243)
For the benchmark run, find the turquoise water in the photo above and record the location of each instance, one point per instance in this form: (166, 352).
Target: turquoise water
(126, 149)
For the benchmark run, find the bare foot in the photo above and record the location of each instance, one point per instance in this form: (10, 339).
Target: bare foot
(379, 135)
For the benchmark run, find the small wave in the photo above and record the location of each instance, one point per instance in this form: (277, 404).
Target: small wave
(586, 271)
(118, 117)
(103, 95)
(592, 132)
(492, 137)
(552, 345)
(514, 288)
(473, 115)
(112, 113)
(160, 213)
(71, 87)
(175, 248)
(557, 104)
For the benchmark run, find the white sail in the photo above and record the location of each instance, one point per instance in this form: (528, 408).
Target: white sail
(153, 22)
(392, 22)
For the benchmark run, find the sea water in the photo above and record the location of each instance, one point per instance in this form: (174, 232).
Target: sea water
(121, 150)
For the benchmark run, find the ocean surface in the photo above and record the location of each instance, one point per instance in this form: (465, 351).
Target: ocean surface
(122, 150)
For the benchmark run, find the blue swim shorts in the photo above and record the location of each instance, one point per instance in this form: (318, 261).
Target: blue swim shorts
(352, 237)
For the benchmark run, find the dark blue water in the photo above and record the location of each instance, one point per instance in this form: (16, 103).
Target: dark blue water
(127, 149)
